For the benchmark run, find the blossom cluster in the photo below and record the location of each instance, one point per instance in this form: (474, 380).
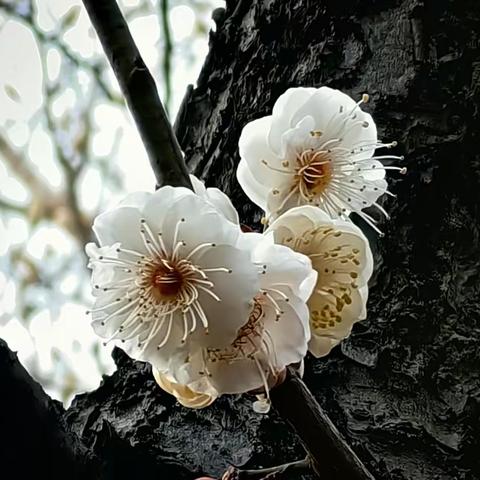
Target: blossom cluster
(216, 310)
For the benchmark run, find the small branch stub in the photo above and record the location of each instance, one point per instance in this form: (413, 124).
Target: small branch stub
(272, 473)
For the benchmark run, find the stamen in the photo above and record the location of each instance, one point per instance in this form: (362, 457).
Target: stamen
(181, 243)
(206, 290)
(198, 248)
(279, 292)
(167, 334)
(131, 252)
(157, 247)
(177, 227)
(264, 381)
(218, 269)
(287, 198)
(364, 99)
(275, 169)
(198, 309)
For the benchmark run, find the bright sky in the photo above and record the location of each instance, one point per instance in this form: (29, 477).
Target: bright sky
(58, 341)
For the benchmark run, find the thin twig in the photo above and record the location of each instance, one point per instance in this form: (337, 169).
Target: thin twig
(332, 458)
(24, 170)
(138, 87)
(12, 207)
(271, 473)
(56, 40)
(167, 52)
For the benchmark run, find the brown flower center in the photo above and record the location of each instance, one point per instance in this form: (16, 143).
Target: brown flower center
(313, 173)
(166, 280)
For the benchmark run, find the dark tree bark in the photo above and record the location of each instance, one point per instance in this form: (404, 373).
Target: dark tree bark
(404, 389)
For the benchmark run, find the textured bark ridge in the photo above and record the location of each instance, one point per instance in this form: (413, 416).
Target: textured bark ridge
(405, 388)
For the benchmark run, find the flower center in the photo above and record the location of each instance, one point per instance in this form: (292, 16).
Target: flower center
(166, 280)
(313, 173)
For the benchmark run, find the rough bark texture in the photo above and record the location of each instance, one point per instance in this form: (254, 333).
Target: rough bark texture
(405, 388)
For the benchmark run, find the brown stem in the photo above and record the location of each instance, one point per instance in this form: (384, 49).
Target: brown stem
(138, 87)
(332, 458)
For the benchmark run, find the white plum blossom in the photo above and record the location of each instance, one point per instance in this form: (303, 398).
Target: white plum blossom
(184, 394)
(318, 148)
(340, 254)
(168, 275)
(275, 332)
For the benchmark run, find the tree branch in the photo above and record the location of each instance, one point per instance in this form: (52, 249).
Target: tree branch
(35, 440)
(139, 88)
(332, 458)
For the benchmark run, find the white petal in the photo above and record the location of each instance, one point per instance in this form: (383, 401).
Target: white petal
(224, 377)
(239, 376)
(102, 273)
(250, 240)
(298, 138)
(254, 190)
(284, 268)
(357, 135)
(160, 204)
(235, 290)
(122, 224)
(216, 198)
(223, 204)
(198, 186)
(296, 221)
(201, 224)
(136, 199)
(255, 150)
(324, 105)
(147, 350)
(284, 110)
(289, 335)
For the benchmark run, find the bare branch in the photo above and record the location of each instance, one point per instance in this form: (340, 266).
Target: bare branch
(140, 91)
(332, 458)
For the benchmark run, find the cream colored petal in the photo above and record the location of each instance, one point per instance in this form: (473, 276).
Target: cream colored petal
(184, 394)
(321, 346)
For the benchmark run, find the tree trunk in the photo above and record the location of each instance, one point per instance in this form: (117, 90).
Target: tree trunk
(404, 389)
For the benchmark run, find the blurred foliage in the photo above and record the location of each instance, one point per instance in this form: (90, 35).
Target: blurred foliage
(68, 150)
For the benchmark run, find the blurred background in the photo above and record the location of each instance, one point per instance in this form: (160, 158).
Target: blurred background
(69, 150)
